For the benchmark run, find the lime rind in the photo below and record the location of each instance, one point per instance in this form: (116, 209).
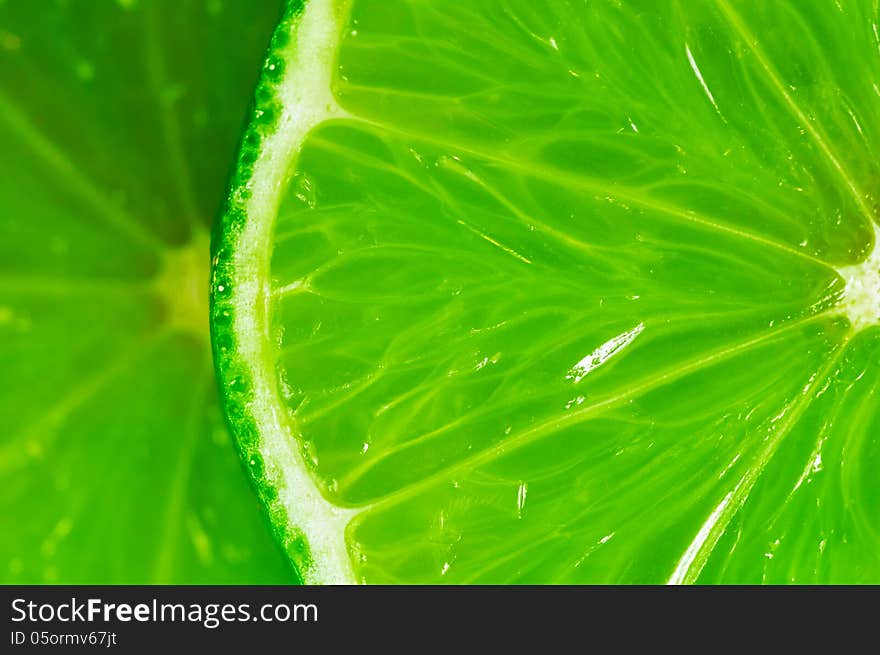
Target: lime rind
(289, 102)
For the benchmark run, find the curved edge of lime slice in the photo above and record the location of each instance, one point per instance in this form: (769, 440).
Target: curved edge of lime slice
(292, 96)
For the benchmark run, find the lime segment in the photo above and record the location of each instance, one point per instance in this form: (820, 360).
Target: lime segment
(570, 293)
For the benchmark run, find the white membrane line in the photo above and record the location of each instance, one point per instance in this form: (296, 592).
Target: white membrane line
(699, 74)
(683, 568)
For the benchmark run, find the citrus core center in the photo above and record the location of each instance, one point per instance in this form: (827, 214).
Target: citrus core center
(182, 286)
(861, 297)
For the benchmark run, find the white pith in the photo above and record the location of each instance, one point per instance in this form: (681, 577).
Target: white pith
(306, 100)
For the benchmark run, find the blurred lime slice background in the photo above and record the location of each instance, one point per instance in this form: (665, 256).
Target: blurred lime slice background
(118, 121)
(561, 291)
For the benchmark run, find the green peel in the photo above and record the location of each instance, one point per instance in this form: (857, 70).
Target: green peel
(302, 99)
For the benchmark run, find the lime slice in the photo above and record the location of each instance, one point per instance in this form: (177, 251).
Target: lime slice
(117, 120)
(561, 292)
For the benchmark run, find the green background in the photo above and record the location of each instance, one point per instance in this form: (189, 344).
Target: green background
(118, 122)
